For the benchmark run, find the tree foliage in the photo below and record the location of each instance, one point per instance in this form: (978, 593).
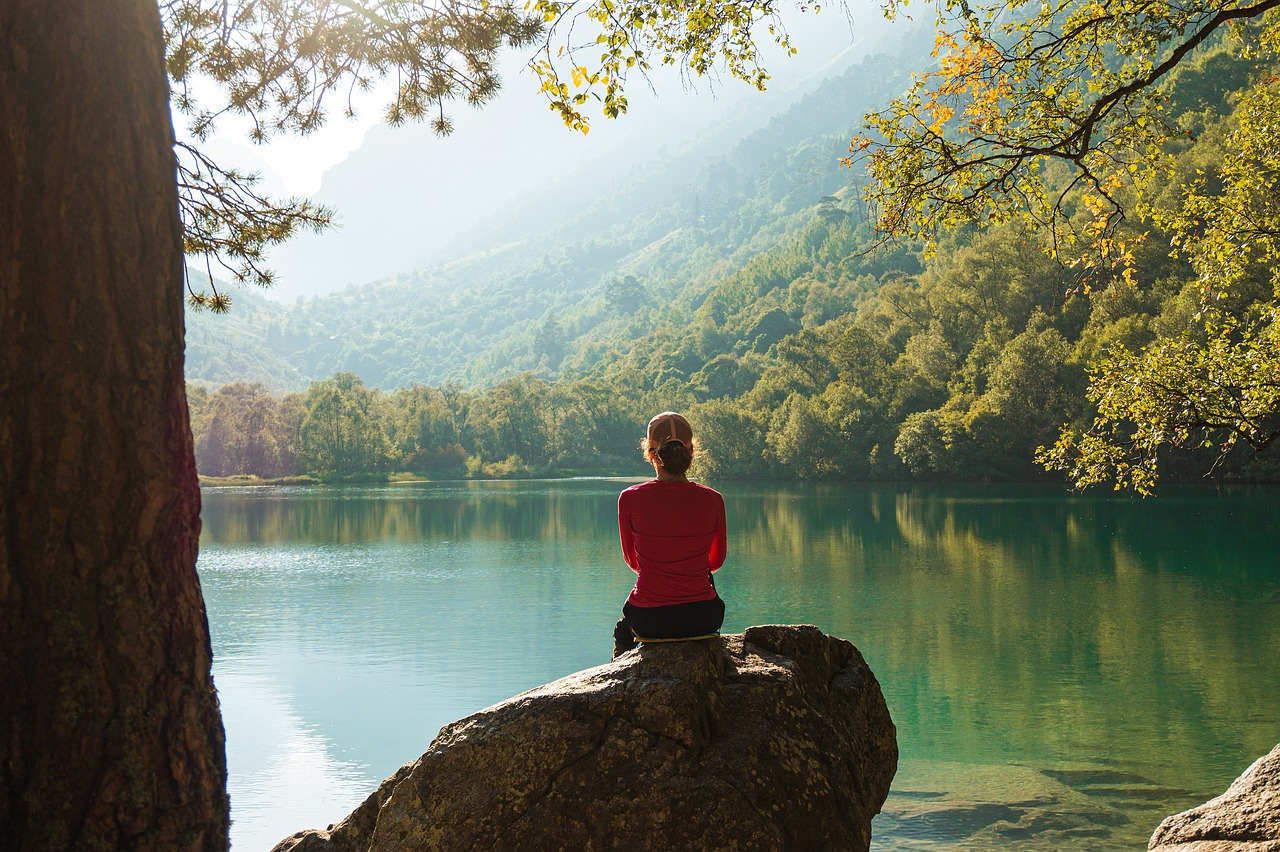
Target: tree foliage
(1216, 392)
(622, 38)
(1066, 115)
(244, 428)
(623, 295)
(344, 427)
(955, 371)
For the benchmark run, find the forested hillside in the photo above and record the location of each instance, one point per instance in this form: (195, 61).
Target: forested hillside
(493, 313)
(757, 301)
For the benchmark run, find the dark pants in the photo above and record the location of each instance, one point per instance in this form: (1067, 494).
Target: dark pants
(676, 621)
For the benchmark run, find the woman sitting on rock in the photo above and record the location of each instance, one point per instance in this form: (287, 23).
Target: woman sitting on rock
(673, 537)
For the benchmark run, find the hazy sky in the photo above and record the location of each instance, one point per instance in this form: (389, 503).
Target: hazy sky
(402, 193)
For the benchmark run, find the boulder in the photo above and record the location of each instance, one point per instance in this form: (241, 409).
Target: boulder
(777, 738)
(1246, 818)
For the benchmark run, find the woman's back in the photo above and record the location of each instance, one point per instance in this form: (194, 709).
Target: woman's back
(673, 537)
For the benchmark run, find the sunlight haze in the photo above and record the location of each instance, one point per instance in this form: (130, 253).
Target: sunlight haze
(403, 195)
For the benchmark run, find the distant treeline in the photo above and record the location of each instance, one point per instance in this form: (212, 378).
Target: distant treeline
(813, 361)
(341, 427)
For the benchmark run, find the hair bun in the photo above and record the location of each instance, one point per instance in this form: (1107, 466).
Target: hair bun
(675, 456)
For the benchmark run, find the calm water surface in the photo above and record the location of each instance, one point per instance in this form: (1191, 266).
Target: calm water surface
(1064, 671)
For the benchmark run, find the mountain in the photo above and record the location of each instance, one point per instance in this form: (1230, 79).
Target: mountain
(405, 197)
(528, 287)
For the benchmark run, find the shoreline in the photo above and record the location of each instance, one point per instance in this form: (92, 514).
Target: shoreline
(243, 480)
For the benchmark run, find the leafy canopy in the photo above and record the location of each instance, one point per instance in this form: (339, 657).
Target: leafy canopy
(1058, 114)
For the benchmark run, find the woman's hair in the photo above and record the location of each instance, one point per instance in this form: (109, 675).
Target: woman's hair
(674, 457)
(670, 443)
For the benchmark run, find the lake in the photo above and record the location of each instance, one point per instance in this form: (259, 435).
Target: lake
(1063, 670)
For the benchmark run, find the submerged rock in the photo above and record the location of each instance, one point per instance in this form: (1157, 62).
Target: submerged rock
(1013, 808)
(778, 738)
(1246, 818)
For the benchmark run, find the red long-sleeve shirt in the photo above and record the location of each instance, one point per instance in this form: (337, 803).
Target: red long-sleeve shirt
(673, 537)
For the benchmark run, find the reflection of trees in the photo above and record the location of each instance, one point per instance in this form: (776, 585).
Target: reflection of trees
(1029, 624)
(493, 511)
(1089, 621)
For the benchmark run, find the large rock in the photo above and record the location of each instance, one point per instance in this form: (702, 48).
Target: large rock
(778, 738)
(1246, 818)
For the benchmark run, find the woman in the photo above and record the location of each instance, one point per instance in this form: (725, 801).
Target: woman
(673, 537)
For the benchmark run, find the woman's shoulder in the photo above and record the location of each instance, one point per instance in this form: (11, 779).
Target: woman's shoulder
(708, 492)
(656, 486)
(635, 491)
(695, 493)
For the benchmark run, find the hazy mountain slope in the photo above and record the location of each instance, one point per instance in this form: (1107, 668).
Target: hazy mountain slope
(405, 197)
(242, 346)
(478, 318)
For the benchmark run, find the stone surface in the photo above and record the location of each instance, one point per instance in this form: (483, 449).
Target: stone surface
(947, 806)
(1246, 818)
(778, 738)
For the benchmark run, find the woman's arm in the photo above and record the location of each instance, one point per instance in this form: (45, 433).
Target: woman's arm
(627, 535)
(719, 542)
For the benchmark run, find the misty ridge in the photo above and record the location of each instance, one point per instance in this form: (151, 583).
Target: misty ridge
(403, 291)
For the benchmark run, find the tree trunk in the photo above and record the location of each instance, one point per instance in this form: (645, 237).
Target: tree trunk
(110, 735)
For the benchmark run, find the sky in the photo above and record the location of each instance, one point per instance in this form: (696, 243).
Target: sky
(403, 195)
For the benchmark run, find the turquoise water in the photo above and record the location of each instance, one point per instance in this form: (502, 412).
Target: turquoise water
(1063, 670)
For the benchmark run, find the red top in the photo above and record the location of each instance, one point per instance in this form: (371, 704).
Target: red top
(673, 537)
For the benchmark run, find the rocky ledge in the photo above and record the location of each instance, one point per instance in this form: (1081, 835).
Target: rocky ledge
(777, 738)
(1246, 818)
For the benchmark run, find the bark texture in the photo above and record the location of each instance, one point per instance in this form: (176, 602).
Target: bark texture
(110, 735)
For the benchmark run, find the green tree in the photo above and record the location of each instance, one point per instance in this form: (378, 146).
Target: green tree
(515, 418)
(931, 355)
(1214, 393)
(769, 328)
(1059, 115)
(550, 341)
(243, 430)
(726, 376)
(426, 429)
(928, 440)
(345, 427)
(591, 424)
(732, 441)
(1030, 384)
(801, 438)
(623, 295)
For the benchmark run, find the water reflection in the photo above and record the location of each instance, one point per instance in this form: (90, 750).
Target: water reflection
(494, 511)
(277, 750)
(1063, 670)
